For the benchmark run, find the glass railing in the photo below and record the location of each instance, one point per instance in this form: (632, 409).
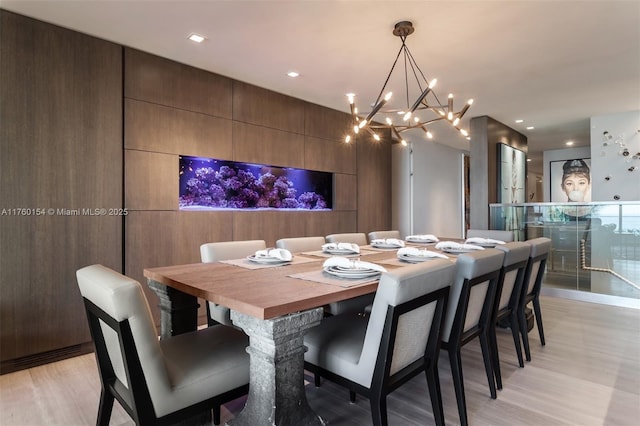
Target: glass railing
(595, 247)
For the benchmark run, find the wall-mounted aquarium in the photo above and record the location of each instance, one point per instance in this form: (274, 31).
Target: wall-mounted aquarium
(210, 184)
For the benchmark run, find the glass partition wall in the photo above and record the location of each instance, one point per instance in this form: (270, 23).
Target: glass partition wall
(595, 247)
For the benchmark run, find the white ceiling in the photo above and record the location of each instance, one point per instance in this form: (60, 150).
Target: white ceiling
(554, 64)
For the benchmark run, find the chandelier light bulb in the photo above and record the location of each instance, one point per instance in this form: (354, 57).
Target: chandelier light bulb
(362, 124)
(464, 132)
(450, 116)
(456, 121)
(389, 122)
(407, 116)
(416, 119)
(403, 142)
(351, 97)
(429, 134)
(450, 96)
(388, 96)
(356, 129)
(347, 139)
(433, 83)
(376, 137)
(470, 102)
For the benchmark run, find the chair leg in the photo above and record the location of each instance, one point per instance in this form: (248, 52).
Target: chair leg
(458, 384)
(352, 397)
(105, 407)
(316, 379)
(433, 382)
(379, 410)
(522, 320)
(538, 312)
(216, 414)
(516, 337)
(488, 360)
(495, 359)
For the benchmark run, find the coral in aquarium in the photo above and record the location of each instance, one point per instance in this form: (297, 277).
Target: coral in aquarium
(235, 188)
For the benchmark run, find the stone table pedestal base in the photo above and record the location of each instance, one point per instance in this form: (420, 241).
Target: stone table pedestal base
(276, 389)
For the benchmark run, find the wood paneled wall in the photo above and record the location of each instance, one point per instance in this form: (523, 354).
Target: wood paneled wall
(246, 123)
(71, 140)
(60, 149)
(483, 171)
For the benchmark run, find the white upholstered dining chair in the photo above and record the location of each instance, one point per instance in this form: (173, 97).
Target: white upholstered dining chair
(157, 381)
(376, 354)
(352, 237)
(506, 236)
(226, 250)
(540, 248)
(375, 235)
(508, 291)
(300, 244)
(469, 315)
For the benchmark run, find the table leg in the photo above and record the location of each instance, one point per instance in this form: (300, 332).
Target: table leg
(276, 388)
(178, 310)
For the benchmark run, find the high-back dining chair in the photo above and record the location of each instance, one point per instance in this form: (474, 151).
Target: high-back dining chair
(508, 291)
(354, 237)
(300, 244)
(226, 250)
(356, 304)
(506, 236)
(157, 381)
(375, 235)
(540, 248)
(375, 355)
(469, 315)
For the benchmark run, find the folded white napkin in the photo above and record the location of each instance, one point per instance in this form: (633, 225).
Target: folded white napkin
(416, 252)
(274, 253)
(479, 240)
(346, 263)
(422, 237)
(387, 242)
(444, 245)
(341, 246)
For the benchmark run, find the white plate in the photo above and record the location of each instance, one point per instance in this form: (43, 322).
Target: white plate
(352, 273)
(457, 250)
(420, 241)
(386, 246)
(485, 245)
(414, 259)
(339, 251)
(266, 260)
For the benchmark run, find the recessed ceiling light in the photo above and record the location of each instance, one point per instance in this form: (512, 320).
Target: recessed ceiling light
(293, 74)
(530, 128)
(519, 121)
(196, 37)
(568, 143)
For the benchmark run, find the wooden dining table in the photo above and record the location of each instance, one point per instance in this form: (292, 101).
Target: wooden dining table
(274, 305)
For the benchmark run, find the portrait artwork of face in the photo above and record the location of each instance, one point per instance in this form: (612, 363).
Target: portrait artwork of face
(576, 181)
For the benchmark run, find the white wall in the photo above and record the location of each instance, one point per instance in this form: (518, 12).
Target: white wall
(436, 204)
(624, 128)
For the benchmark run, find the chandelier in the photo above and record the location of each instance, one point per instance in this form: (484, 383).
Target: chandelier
(419, 114)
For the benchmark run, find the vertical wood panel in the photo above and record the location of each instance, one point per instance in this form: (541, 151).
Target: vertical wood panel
(61, 114)
(325, 123)
(255, 144)
(345, 191)
(151, 127)
(268, 225)
(325, 223)
(255, 105)
(374, 184)
(151, 181)
(165, 82)
(329, 155)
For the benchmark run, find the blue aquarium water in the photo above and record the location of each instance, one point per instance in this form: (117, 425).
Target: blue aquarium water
(207, 183)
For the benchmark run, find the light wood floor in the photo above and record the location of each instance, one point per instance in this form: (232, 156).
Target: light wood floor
(587, 374)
